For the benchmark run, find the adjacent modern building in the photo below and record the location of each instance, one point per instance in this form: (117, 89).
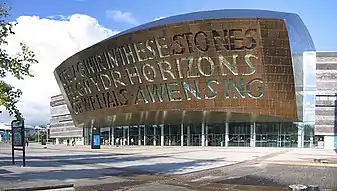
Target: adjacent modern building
(61, 126)
(211, 78)
(326, 100)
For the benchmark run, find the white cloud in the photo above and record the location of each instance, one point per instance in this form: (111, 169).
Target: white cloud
(53, 41)
(120, 16)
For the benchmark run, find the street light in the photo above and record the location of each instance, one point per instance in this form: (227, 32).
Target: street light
(38, 129)
(47, 129)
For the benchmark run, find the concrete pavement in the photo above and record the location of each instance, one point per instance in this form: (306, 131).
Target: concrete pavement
(149, 167)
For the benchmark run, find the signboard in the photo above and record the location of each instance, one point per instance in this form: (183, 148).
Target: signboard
(18, 133)
(97, 140)
(18, 139)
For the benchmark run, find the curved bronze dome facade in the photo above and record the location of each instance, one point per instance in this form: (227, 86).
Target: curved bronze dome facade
(213, 66)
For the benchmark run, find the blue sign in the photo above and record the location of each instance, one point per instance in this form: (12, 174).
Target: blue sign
(97, 140)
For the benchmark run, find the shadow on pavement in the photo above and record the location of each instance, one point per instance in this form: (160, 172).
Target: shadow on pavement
(135, 170)
(80, 160)
(252, 180)
(67, 156)
(97, 160)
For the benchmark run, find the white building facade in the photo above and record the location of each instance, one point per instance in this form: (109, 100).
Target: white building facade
(326, 100)
(62, 127)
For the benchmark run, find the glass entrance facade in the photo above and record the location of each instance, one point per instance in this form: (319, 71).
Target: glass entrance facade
(239, 134)
(218, 135)
(276, 135)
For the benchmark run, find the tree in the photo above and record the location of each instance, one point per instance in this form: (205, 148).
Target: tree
(17, 65)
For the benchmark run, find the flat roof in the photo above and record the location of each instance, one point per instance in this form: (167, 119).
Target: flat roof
(326, 54)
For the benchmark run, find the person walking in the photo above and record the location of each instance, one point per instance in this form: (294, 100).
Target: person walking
(117, 142)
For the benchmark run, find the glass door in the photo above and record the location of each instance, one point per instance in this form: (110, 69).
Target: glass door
(195, 140)
(149, 135)
(239, 134)
(267, 135)
(157, 136)
(216, 135)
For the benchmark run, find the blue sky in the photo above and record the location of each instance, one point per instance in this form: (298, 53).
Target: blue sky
(54, 41)
(319, 16)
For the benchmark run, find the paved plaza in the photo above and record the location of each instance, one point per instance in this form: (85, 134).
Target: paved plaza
(168, 168)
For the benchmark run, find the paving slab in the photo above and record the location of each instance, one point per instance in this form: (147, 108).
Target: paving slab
(161, 187)
(121, 165)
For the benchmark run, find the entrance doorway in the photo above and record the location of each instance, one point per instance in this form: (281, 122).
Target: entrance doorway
(276, 135)
(239, 135)
(216, 135)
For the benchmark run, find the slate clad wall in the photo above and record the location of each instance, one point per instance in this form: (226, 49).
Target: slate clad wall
(61, 122)
(326, 95)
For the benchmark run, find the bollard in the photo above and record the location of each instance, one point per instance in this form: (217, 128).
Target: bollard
(313, 188)
(297, 187)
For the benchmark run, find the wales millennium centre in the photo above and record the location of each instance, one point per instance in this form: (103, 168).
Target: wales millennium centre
(225, 78)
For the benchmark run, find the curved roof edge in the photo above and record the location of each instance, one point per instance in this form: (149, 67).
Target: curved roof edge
(293, 22)
(210, 14)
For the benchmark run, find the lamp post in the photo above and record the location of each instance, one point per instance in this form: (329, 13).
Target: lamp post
(47, 133)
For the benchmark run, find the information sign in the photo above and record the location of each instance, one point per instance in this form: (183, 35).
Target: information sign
(18, 139)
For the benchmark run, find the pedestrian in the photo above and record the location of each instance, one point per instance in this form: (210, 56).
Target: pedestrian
(117, 141)
(27, 143)
(68, 141)
(132, 141)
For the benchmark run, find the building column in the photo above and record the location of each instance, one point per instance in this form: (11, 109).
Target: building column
(128, 135)
(311, 141)
(144, 135)
(226, 134)
(123, 136)
(188, 135)
(170, 140)
(109, 137)
(300, 137)
(203, 134)
(162, 135)
(112, 136)
(139, 135)
(206, 135)
(252, 134)
(182, 134)
(154, 135)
